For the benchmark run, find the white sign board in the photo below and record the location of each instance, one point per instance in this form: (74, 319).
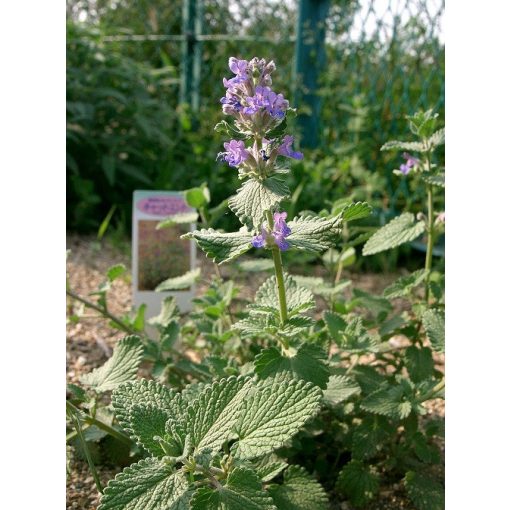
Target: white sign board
(160, 254)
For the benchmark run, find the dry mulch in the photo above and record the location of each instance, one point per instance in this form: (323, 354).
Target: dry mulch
(89, 344)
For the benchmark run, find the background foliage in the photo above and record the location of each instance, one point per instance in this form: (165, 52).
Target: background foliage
(127, 129)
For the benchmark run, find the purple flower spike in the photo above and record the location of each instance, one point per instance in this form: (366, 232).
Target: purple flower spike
(235, 153)
(410, 162)
(286, 150)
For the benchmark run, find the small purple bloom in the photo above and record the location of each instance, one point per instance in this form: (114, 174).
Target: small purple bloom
(231, 101)
(260, 240)
(280, 231)
(235, 153)
(276, 104)
(240, 69)
(258, 101)
(410, 162)
(286, 150)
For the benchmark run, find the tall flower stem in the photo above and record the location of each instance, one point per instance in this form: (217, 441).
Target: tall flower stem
(278, 271)
(430, 239)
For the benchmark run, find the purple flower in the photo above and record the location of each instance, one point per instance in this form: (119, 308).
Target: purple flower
(230, 102)
(276, 104)
(410, 162)
(258, 101)
(235, 153)
(280, 231)
(286, 150)
(240, 69)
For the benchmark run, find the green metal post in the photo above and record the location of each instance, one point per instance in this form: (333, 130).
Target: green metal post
(310, 60)
(191, 53)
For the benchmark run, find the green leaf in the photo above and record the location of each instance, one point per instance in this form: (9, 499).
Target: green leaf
(424, 492)
(169, 313)
(121, 367)
(144, 393)
(404, 146)
(356, 211)
(298, 298)
(138, 322)
(350, 336)
(433, 322)
(145, 422)
(377, 305)
(391, 402)
(178, 219)
(272, 413)
(197, 197)
(299, 491)
(213, 415)
(150, 484)
(419, 363)
(360, 483)
(115, 271)
(243, 491)
(339, 389)
(184, 281)
(314, 234)
(368, 378)
(269, 467)
(405, 284)
(255, 197)
(437, 138)
(307, 363)
(434, 179)
(368, 438)
(256, 265)
(400, 230)
(221, 247)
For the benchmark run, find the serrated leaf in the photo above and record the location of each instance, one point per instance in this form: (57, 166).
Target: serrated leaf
(350, 336)
(377, 305)
(436, 179)
(368, 378)
(169, 313)
(184, 281)
(360, 483)
(121, 367)
(433, 322)
(269, 467)
(339, 389)
(298, 298)
(178, 219)
(255, 197)
(145, 422)
(308, 364)
(272, 413)
(400, 230)
(437, 138)
(256, 265)
(405, 284)
(314, 234)
(404, 146)
(192, 391)
(115, 271)
(213, 415)
(221, 247)
(144, 393)
(424, 492)
(368, 438)
(149, 484)
(299, 491)
(243, 491)
(390, 402)
(419, 363)
(356, 211)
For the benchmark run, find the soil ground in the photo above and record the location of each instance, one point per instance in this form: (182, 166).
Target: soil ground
(89, 344)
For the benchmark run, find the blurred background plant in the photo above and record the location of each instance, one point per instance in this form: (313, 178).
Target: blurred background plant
(143, 96)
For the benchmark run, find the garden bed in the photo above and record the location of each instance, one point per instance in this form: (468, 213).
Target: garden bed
(90, 343)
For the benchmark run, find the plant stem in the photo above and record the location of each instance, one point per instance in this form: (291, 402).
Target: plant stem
(436, 389)
(100, 425)
(430, 240)
(102, 311)
(90, 462)
(278, 271)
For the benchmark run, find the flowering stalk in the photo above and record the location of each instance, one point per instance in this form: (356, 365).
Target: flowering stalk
(430, 230)
(259, 114)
